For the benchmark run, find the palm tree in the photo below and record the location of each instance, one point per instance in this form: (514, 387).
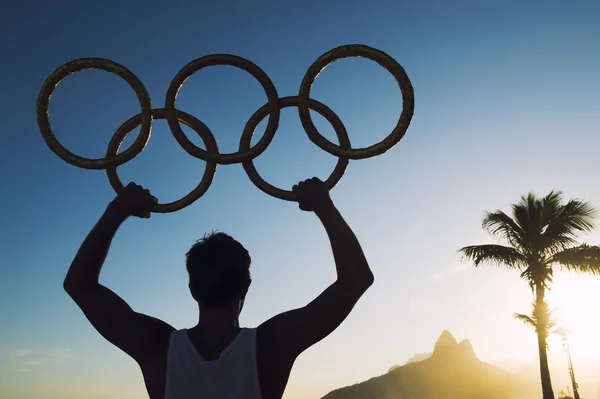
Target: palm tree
(541, 320)
(564, 333)
(540, 236)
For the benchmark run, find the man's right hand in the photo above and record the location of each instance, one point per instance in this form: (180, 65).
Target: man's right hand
(312, 195)
(133, 200)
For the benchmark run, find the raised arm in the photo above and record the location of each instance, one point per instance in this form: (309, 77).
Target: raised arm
(138, 335)
(289, 334)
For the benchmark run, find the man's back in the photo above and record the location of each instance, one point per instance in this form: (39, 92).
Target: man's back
(242, 366)
(232, 374)
(248, 363)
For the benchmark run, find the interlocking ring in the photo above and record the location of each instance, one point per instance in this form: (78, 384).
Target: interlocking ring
(357, 50)
(67, 69)
(246, 153)
(242, 63)
(203, 131)
(285, 102)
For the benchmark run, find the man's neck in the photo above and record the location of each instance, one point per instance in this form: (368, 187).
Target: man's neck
(218, 319)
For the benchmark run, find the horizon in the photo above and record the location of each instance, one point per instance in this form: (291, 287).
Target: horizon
(506, 103)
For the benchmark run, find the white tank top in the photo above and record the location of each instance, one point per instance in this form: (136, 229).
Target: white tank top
(233, 375)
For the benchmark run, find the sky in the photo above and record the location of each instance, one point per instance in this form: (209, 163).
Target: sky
(506, 102)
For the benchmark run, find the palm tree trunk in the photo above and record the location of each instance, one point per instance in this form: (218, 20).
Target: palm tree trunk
(547, 391)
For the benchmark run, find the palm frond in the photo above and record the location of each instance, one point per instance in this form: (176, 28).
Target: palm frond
(550, 206)
(520, 212)
(498, 255)
(538, 273)
(562, 330)
(542, 317)
(564, 223)
(501, 226)
(580, 215)
(583, 259)
(527, 215)
(526, 319)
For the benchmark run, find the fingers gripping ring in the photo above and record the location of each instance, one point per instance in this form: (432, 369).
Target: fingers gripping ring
(284, 102)
(357, 50)
(189, 120)
(43, 120)
(272, 108)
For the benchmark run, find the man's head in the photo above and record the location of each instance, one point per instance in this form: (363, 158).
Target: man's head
(219, 270)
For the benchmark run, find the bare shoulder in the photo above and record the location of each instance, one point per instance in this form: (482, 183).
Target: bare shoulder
(274, 367)
(154, 364)
(281, 339)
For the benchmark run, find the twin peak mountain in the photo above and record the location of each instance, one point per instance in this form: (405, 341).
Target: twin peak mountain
(446, 345)
(451, 371)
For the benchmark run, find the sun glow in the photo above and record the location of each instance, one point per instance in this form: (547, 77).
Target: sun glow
(576, 299)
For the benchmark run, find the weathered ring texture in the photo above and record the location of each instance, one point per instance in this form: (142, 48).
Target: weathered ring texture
(246, 152)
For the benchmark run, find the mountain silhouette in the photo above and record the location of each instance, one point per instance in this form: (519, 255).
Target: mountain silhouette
(418, 357)
(451, 371)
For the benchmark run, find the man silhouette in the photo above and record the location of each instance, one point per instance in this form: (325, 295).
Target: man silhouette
(217, 358)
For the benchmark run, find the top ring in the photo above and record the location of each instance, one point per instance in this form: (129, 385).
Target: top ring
(252, 69)
(383, 59)
(43, 120)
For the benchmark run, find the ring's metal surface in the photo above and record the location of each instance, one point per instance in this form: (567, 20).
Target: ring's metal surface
(69, 68)
(285, 102)
(223, 59)
(199, 127)
(357, 50)
(246, 153)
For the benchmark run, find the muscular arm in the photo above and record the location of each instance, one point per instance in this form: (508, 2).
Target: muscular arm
(85, 268)
(287, 335)
(138, 335)
(325, 313)
(351, 264)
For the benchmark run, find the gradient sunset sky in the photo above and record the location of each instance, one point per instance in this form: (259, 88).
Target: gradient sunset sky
(507, 102)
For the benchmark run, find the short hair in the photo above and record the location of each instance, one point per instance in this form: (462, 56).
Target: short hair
(218, 268)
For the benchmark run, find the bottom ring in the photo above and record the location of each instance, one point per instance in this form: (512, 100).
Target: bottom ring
(285, 102)
(187, 119)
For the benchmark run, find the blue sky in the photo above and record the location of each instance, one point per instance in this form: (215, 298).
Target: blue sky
(507, 97)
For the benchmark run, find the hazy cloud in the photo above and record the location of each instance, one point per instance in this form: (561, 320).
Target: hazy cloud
(416, 229)
(22, 352)
(26, 359)
(38, 361)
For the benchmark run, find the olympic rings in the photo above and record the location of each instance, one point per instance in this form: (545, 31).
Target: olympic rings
(285, 102)
(223, 59)
(246, 153)
(357, 50)
(199, 127)
(67, 69)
